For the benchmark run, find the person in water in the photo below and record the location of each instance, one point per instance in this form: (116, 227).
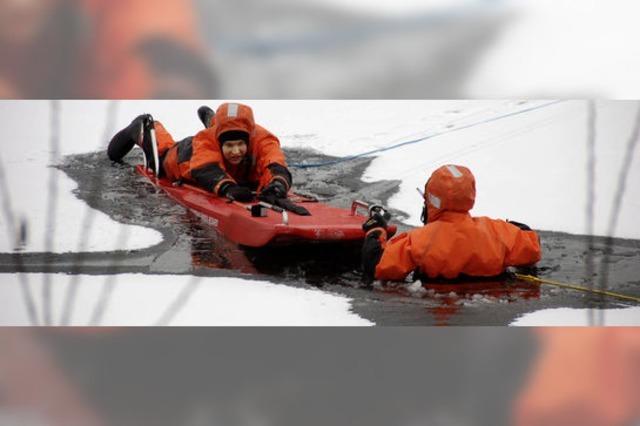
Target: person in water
(451, 242)
(232, 157)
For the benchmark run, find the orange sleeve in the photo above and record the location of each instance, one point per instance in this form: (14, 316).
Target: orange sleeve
(396, 261)
(206, 165)
(268, 152)
(163, 138)
(526, 250)
(205, 150)
(583, 376)
(523, 247)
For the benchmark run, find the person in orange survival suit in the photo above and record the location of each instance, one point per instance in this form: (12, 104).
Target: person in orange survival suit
(451, 242)
(232, 157)
(585, 376)
(101, 49)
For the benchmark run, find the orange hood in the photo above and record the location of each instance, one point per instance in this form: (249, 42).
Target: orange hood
(450, 188)
(233, 116)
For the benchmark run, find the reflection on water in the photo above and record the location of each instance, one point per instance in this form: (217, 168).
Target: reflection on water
(449, 297)
(209, 249)
(453, 298)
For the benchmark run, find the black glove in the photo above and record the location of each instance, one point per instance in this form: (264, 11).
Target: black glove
(287, 204)
(519, 225)
(275, 193)
(377, 219)
(235, 192)
(274, 190)
(371, 254)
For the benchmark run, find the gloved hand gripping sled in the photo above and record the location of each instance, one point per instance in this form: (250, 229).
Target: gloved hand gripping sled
(372, 247)
(275, 194)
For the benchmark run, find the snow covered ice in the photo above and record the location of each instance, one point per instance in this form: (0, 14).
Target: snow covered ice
(577, 317)
(26, 159)
(145, 300)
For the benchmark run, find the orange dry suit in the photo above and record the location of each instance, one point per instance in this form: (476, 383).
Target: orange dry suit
(453, 242)
(583, 376)
(199, 159)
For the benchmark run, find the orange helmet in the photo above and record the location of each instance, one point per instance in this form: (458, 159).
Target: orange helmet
(234, 117)
(450, 188)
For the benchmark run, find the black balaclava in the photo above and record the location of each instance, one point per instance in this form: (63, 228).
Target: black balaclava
(233, 135)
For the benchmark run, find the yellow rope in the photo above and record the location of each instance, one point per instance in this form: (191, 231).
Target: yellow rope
(577, 287)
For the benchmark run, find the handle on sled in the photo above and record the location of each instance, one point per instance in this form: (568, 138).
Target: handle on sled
(285, 215)
(371, 208)
(358, 204)
(251, 208)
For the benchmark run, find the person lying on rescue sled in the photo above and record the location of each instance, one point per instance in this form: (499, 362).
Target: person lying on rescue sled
(451, 242)
(232, 157)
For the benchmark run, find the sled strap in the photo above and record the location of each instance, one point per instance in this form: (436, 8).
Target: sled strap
(571, 286)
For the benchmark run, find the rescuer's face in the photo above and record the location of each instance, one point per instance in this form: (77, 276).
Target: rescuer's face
(234, 151)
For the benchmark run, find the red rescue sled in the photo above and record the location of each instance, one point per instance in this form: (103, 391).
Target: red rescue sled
(234, 220)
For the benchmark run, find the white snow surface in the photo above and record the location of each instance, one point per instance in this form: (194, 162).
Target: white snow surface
(579, 317)
(145, 300)
(26, 157)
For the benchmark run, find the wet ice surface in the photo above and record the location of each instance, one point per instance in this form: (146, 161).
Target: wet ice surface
(192, 248)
